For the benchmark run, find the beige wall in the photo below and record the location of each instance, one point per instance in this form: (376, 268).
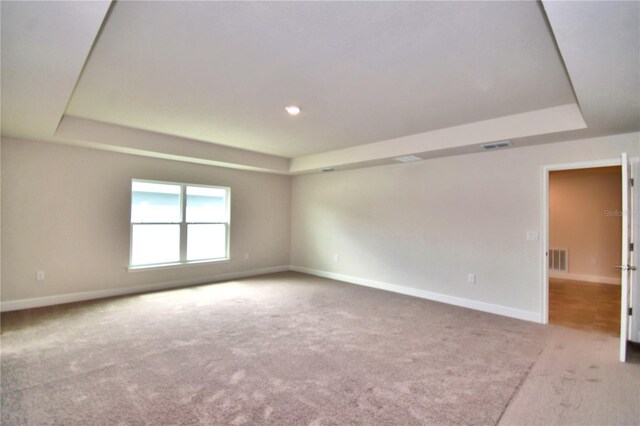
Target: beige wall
(426, 225)
(422, 225)
(578, 200)
(65, 211)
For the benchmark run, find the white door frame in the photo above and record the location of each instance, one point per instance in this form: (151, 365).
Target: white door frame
(545, 218)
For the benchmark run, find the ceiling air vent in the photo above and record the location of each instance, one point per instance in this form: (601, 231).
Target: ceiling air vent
(408, 158)
(496, 145)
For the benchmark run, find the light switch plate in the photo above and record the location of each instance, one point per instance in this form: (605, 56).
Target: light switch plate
(532, 235)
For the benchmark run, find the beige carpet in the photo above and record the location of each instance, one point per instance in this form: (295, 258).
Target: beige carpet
(278, 349)
(578, 380)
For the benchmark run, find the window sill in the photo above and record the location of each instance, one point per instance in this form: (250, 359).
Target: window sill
(177, 264)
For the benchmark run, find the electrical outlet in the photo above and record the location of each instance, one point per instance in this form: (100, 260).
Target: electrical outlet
(336, 258)
(40, 276)
(247, 256)
(471, 278)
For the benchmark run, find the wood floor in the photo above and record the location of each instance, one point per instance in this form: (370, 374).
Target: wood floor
(585, 306)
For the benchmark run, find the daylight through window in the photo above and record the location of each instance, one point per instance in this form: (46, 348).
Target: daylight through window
(173, 223)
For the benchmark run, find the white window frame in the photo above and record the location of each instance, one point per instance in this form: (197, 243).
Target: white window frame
(183, 226)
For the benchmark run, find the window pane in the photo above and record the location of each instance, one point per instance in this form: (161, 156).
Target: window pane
(206, 204)
(206, 242)
(155, 244)
(155, 202)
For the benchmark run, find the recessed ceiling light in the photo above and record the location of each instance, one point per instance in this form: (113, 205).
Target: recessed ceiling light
(327, 169)
(293, 109)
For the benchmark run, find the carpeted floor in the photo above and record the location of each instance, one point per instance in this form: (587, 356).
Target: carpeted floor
(578, 380)
(279, 349)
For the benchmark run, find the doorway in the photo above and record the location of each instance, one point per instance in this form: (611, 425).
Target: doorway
(585, 245)
(630, 231)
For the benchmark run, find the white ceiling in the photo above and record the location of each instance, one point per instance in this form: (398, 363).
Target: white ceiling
(44, 45)
(207, 82)
(600, 44)
(362, 72)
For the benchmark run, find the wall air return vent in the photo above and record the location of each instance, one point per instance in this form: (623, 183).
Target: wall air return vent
(496, 145)
(558, 259)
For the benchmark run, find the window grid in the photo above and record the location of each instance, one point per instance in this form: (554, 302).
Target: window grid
(184, 225)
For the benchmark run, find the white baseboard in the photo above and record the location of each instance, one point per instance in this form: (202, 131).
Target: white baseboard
(584, 277)
(424, 294)
(13, 305)
(36, 302)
